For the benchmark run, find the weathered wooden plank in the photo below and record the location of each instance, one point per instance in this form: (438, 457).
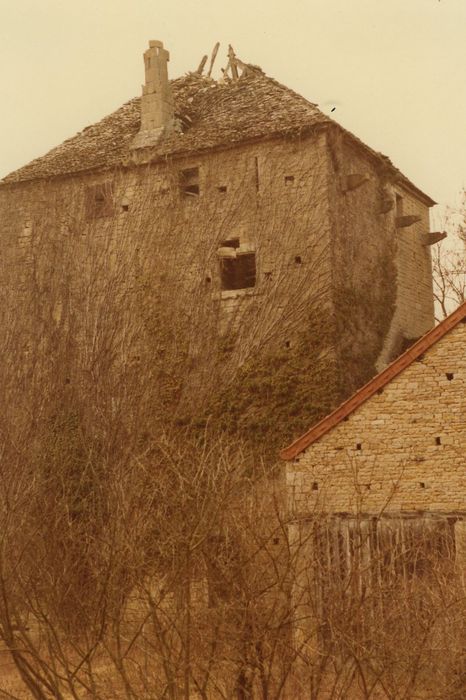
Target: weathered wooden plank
(212, 58)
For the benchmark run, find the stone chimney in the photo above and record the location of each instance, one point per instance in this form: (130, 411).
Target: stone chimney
(157, 111)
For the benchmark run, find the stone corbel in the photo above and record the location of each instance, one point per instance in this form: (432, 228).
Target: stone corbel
(432, 237)
(353, 181)
(386, 205)
(405, 221)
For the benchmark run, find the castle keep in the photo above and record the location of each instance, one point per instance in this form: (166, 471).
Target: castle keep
(286, 235)
(208, 272)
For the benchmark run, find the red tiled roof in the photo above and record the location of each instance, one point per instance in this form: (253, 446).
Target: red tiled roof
(378, 382)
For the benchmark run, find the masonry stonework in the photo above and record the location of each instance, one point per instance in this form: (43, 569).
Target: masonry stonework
(242, 170)
(401, 451)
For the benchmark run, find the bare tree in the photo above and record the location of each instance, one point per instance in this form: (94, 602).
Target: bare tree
(146, 551)
(117, 502)
(449, 263)
(449, 268)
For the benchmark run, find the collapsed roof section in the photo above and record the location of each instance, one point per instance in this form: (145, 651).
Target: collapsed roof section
(210, 114)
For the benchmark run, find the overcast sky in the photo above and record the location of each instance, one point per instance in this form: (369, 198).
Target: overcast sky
(393, 69)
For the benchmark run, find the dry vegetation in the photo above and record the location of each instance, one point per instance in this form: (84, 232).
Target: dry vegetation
(449, 264)
(449, 267)
(145, 549)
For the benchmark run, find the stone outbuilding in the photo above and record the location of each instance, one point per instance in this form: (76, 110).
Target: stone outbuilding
(396, 450)
(377, 524)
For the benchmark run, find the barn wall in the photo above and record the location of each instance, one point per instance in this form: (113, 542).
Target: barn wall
(400, 451)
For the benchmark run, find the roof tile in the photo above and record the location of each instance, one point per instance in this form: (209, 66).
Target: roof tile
(219, 114)
(377, 383)
(215, 115)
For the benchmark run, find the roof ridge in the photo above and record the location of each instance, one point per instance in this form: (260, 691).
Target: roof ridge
(272, 110)
(76, 153)
(294, 93)
(378, 382)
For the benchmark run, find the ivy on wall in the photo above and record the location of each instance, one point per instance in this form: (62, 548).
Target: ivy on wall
(363, 319)
(281, 391)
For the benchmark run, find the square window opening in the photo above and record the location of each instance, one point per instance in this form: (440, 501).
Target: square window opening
(189, 183)
(239, 272)
(99, 200)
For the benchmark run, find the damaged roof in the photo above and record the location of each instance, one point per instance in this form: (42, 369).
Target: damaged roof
(214, 114)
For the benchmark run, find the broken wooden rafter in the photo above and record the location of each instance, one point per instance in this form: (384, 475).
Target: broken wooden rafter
(233, 63)
(202, 65)
(225, 75)
(212, 58)
(248, 68)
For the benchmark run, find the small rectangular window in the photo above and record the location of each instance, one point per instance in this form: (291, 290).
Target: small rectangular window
(256, 173)
(399, 205)
(238, 272)
(99, 200)
(189, 182)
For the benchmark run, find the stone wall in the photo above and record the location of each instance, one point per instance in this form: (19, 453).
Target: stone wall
(163, 227)
(414, 312)
(402, 451)
(333, 290)
(272, 196)
(382, 278)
